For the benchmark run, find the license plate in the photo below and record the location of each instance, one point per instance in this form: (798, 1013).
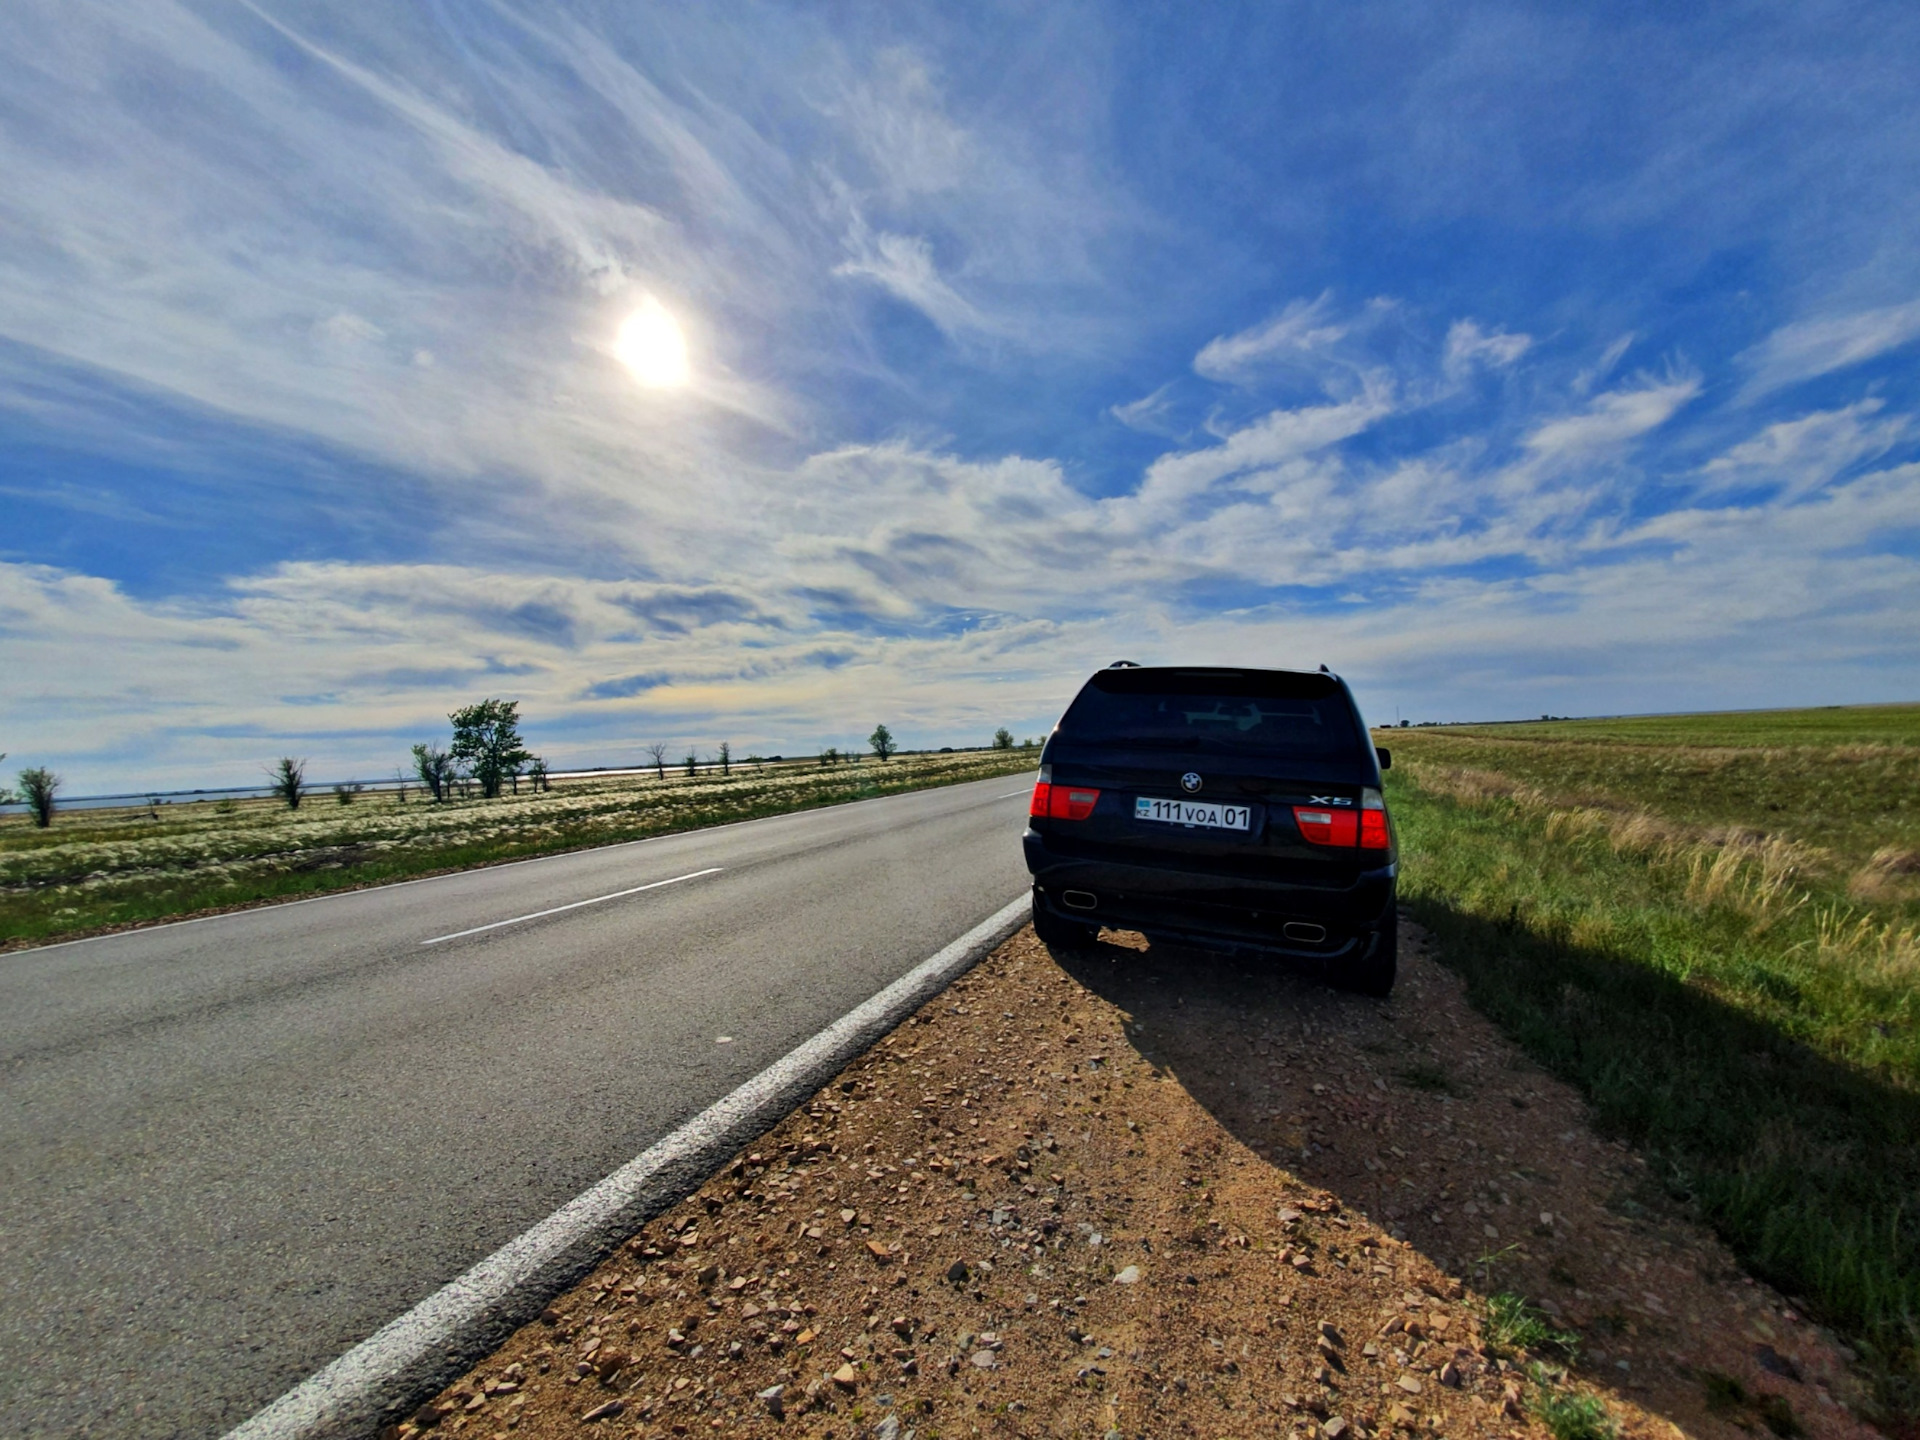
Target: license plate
(1193, 812)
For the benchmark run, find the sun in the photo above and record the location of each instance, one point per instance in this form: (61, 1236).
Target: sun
(652, 346)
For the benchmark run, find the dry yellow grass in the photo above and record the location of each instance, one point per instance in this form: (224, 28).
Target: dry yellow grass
(1892, 876)
(1750, 871)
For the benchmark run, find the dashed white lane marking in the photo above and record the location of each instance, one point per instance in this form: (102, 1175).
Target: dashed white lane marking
(558, 909)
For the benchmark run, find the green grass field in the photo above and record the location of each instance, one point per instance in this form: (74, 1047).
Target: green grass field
(1711, 924)
(96, 869)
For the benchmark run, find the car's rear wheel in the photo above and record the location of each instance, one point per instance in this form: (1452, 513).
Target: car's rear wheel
(1058, 934)
(1378, 966)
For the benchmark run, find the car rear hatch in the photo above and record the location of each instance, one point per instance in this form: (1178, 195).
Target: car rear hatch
(1260, 774)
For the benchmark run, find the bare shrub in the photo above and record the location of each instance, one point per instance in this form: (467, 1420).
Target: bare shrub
(435, 768)
(37, 787)
(287, 780)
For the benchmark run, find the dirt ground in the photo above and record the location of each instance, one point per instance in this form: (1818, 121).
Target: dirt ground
(1141, 1192)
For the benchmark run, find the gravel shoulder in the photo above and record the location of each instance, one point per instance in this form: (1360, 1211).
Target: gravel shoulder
(1150, 1192)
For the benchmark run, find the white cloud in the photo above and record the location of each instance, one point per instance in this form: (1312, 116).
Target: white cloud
(1150, 414)
(1612, 419)
(349, 330)
(1304, 329)
(1797, 456)
(903, 266)
(1277, 437)
(900, 120)
(989, 227)
(1468, 345)
(1603, 367)
(1808, 348)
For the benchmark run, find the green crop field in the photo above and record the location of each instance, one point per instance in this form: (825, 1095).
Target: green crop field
(1711, 924)
(96, 869)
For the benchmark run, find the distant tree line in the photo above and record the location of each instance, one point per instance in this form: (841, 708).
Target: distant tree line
(485, 750)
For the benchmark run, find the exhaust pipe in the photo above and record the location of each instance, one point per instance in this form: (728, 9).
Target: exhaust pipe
(1303, 932)
(1078, 899)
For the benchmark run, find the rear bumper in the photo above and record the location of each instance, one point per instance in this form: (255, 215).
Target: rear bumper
(1233, 912)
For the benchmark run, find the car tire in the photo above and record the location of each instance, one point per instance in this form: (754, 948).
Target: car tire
(1058, 934)
(1378, 966)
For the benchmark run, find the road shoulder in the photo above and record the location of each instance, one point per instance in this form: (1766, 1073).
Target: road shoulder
(1153, 1192)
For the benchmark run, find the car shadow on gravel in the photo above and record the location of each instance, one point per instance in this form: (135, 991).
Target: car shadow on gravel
(1420, 1113)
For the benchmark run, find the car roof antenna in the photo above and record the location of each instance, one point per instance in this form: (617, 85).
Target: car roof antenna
(1323, 668)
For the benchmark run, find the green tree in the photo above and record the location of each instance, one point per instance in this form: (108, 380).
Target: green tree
(537, 774)
(435, 769)
(693, 764)
(288, 780)
(36, 788)
(726, 758)
(882, 742)
(487, 737)
(1003, 739)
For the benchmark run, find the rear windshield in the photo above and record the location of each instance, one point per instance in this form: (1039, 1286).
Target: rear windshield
(1232, 710)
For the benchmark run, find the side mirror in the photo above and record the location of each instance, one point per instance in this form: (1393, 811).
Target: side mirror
(1386, 756)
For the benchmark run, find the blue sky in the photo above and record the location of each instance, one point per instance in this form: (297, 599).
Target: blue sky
(1508, 359)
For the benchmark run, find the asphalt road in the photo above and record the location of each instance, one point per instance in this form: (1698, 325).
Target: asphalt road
(232, 1149)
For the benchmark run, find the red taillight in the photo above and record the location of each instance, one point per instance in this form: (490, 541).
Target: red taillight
(1367, 827)
(1072, 802)
(1061, 802)
(1325, 827)
(1375, 833)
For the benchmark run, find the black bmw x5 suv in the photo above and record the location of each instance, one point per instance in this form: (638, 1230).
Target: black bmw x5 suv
(1226, 808)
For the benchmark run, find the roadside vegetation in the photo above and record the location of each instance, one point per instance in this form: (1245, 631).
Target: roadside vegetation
(1711, 924)
(99, 869)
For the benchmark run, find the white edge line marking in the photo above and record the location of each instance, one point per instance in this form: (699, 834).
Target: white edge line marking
(1011, 793)
(558, 909)
(407, 1360)
(365, 890)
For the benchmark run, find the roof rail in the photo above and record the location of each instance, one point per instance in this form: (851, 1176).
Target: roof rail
(1124, 665)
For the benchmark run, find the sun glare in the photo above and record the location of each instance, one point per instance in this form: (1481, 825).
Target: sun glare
(652, 346)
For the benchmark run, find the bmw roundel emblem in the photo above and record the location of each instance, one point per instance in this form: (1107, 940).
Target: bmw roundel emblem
(1190, 782)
